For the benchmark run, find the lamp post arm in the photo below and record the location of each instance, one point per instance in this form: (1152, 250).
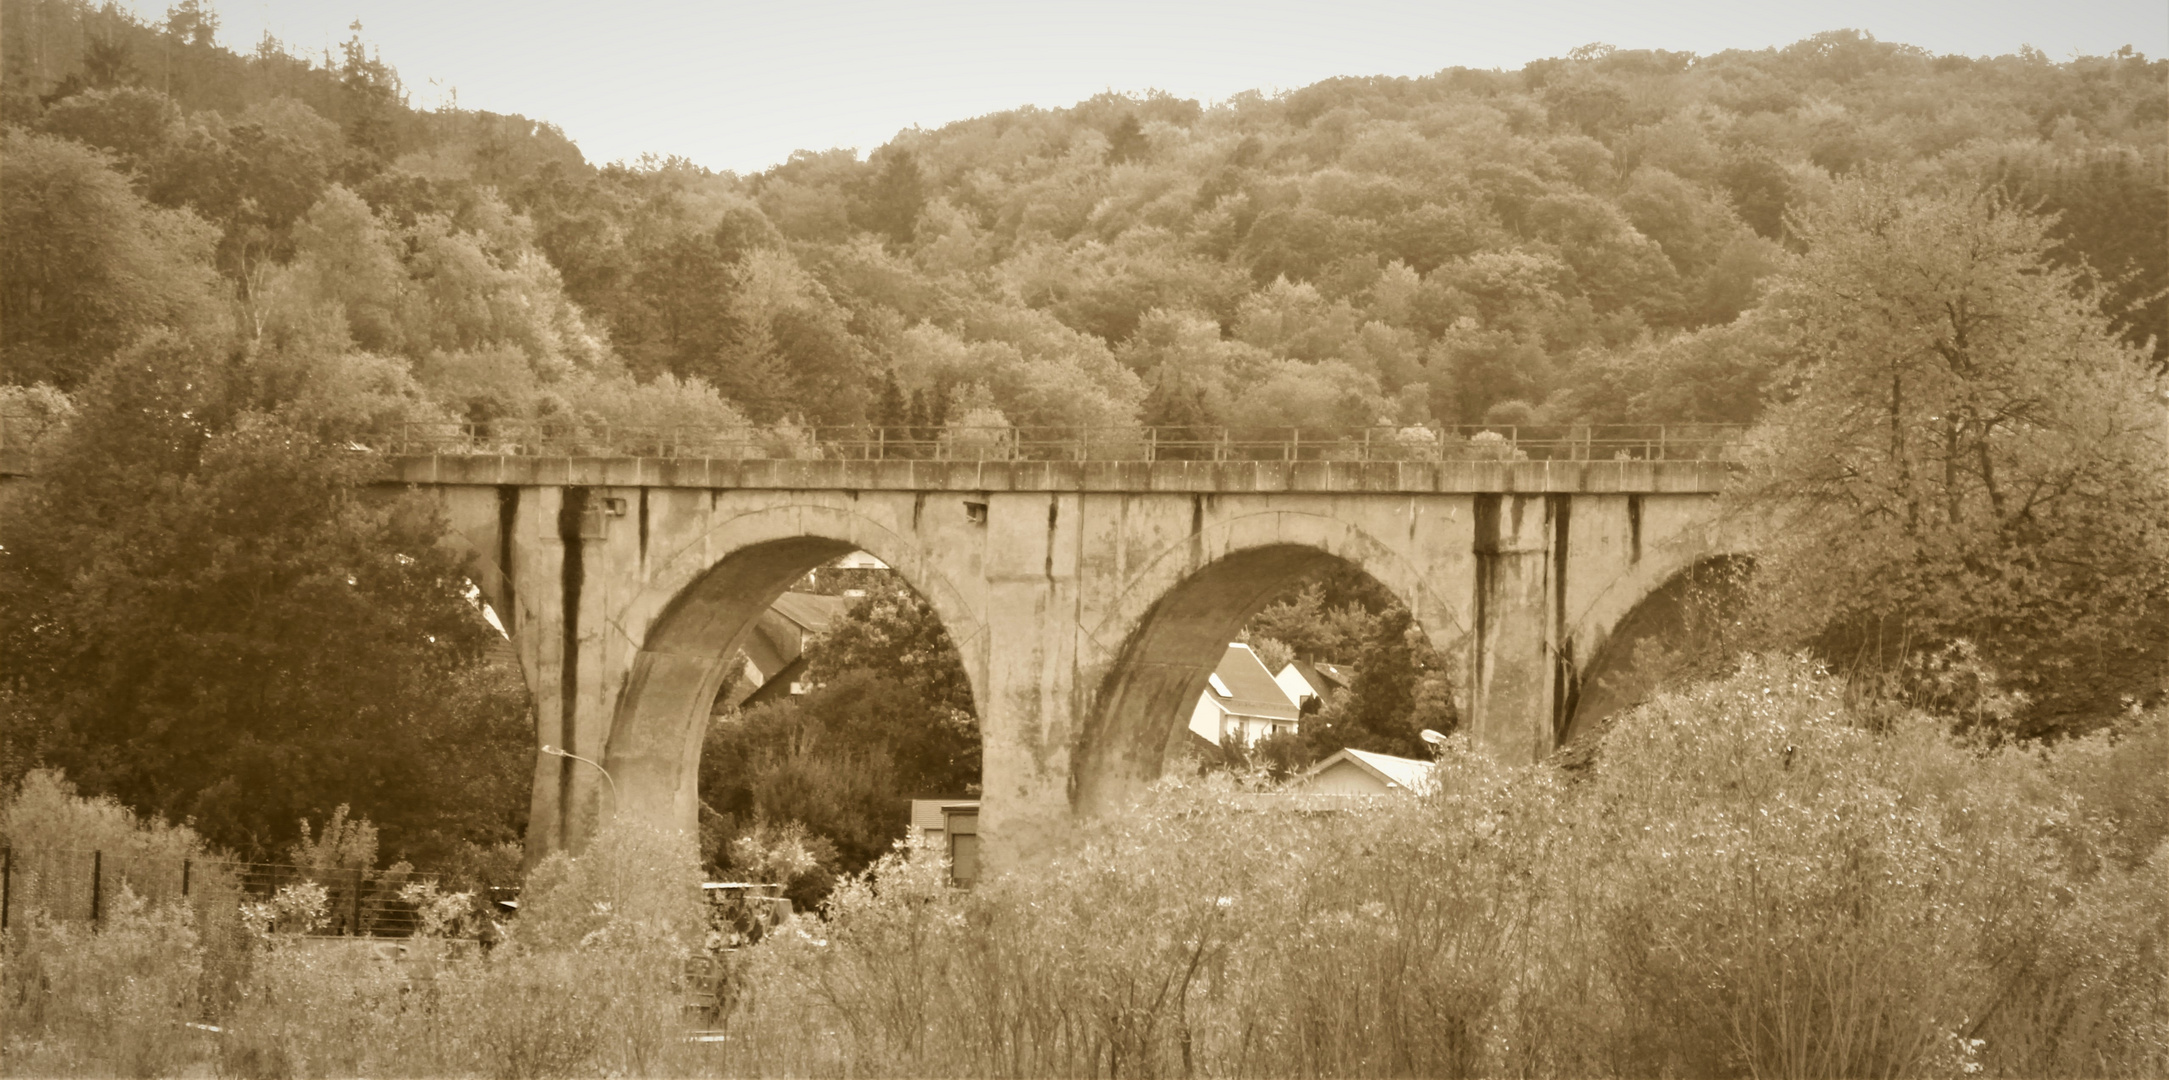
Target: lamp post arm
(611, 780)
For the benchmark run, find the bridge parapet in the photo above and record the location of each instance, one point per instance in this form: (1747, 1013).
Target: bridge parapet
(574, 437)
(1230, 477)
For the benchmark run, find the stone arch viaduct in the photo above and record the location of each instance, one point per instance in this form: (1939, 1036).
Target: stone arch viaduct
(1089, 600)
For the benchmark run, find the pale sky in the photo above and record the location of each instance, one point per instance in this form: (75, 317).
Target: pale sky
(740, 85)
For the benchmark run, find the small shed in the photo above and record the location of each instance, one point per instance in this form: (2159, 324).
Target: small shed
(950, 826)
(1361, 772)
(960, 823)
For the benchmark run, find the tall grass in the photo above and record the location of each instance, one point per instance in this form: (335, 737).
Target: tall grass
(1751, 881)
(588, 984)
(1755, 877)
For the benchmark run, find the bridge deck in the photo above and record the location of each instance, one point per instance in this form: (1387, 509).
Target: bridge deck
(1452, 477)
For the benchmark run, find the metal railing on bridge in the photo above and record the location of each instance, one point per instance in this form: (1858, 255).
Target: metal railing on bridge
(22, 434)
(1520, 442)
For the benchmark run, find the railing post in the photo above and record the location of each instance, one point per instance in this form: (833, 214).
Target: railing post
(353, 918)
(7, 884)
(1152, 444)
(186, 866)
(97, 886)
(1662, 451)
(1295, 444)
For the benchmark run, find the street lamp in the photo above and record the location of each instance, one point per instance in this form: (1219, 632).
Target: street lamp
(555, 752)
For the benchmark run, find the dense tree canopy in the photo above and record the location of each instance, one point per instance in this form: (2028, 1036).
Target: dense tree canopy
(1566, 242)
(202, 612)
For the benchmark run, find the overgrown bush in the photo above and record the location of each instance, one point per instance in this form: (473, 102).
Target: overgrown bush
(590, 984)
(1753, 879)
(1755, 876)
(105, 1000)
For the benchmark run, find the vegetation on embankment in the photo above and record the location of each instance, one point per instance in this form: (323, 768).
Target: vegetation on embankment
(1758, 876)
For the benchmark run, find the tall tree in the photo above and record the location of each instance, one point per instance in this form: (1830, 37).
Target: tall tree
(1400, 689)
(86, 265)
(893, 199)
(209, 616)
(1971, 451)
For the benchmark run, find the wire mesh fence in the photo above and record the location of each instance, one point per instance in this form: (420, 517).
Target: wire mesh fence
(1516, 442)
(85, 885)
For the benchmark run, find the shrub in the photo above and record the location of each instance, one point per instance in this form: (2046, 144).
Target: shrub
(1753, 878)
(107, 1000)
(590, 982)
(635, 884)
(53, 832)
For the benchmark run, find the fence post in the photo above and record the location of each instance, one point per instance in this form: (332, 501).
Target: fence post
(353, 918)
(186, 866)
(1152, 443)
(7, 884)
(97, 886)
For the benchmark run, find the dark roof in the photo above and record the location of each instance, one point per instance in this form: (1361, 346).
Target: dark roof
(499, 650)
(1251, 689)
(1328, 680)
(1339, 675)
(777, 685)
(810, 610)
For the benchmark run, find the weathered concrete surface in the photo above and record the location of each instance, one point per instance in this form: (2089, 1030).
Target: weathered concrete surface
(1089, 600)
(1526, 477)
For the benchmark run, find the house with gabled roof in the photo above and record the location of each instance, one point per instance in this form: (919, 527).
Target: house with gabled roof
(1242, 702)
(1306, 681)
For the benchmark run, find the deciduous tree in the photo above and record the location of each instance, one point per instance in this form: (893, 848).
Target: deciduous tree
(209, 617)
(1969, 451)
(86, 265)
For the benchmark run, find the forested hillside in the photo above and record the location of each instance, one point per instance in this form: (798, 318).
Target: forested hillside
(1571, 241)
(222, 271)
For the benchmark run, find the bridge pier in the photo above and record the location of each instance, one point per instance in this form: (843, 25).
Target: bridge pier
(1029, 654)
(1088, 601)
(1513, 646)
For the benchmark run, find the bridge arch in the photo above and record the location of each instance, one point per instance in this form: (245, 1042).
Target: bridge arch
(1175, 618)
(1675, 612)
(694, 614)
